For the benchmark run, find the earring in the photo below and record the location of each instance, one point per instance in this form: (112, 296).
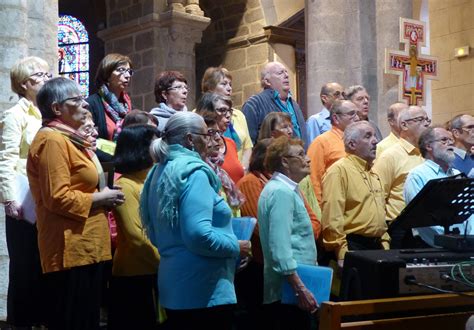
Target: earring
(192, 147)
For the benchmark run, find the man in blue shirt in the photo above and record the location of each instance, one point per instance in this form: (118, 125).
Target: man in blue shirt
(462, 127)
(437, 147)
(321, 122)
(276, 96)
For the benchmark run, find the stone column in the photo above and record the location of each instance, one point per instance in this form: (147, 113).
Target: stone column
(388, 15)
(155, 41)
(325, 47)
(13, 45)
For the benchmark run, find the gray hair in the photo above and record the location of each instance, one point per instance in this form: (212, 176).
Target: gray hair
(457, 122)
(177, 128)
(209, 100)
(351, 91)
(405, 114)
(53, 91)
(353, 132)
(428, 136)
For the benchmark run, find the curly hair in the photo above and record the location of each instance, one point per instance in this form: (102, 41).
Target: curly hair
(277, 150)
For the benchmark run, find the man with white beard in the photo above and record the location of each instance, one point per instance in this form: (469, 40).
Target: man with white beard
(436, 145)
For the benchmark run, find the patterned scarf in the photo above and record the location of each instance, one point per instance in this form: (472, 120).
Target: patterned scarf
(234, 196)
(116, 109)
(81, 142)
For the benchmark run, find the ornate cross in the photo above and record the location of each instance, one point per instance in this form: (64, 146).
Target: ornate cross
(412, 67)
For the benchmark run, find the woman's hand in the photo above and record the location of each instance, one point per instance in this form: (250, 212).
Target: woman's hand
(245, 248)
(13, 209)
(306, 300)
(108, 197)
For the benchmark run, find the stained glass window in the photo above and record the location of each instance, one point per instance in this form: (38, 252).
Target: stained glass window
(73, 51)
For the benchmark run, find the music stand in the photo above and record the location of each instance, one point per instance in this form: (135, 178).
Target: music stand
(441, 202)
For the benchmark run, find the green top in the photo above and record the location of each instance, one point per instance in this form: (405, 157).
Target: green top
(285, 233)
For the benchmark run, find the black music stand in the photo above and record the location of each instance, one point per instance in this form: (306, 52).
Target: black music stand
(441, 202)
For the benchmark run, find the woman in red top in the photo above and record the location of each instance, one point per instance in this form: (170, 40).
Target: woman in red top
(222, 105)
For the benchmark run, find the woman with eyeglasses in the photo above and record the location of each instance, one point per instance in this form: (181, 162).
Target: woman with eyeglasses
(18, 127)
(111, 102)
(222, 106)
(190, 224)
(219, 80)
(68, 187)
(286, 235)
(171, 93)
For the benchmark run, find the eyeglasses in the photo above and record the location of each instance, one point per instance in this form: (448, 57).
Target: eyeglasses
(88, 130)
(214, 133)
(122, 70)
(301, 156)
(469, 128)
(41, 75)
(350, 114)
(76, 100)
(419, 119)
(224, 111)
(444, 141)
(207, 135)
(179, 87)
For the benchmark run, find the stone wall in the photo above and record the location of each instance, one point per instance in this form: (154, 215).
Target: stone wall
(452, 26)
(156, 38)
(235, 39)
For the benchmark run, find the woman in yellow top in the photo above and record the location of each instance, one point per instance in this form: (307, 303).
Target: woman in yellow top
(133, 285)
(18, 127)
(73, 232)
(218, 80)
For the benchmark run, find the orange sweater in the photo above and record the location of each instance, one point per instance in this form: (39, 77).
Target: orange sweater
(232, 164)
(325, 150)
(251, 185)
(62, 181)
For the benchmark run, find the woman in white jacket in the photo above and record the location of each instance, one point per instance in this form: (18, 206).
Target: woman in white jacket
(18, 127)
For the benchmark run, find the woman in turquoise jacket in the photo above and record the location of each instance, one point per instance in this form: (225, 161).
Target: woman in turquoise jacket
(190, 224)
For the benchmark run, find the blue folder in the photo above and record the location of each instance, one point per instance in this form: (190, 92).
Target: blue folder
(243, 227)
(316, 279)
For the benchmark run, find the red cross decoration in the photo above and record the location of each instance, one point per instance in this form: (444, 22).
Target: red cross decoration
(412, 67)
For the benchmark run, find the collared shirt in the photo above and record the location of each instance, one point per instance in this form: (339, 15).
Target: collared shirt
(18, 127)
(286, 180)
(288, 108)
(353, 203)
(386, 143)
(416, 180)
(323, 152)
(464, 162)
(318, 124)
(285, 232)
(392, 167)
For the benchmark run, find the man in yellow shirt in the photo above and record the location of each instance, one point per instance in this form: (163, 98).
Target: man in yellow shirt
(329, 147)
(392, 118)
(394, 164)
(353, 199)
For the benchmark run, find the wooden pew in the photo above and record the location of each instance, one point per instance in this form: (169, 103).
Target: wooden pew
(440, 311)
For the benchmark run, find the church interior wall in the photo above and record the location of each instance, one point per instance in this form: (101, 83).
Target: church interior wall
(452, 26)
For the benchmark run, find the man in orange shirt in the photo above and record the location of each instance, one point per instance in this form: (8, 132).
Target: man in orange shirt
(329, 147)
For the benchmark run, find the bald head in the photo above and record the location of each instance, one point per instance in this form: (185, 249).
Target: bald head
(392, 117)
(331, 92)
(413, 121)
(275, 76)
